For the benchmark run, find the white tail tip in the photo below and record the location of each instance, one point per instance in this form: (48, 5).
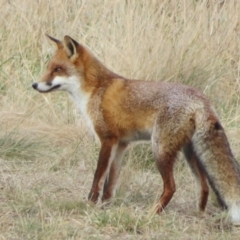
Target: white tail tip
(234, 213)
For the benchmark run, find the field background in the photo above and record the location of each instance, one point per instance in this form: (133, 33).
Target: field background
(47, 154)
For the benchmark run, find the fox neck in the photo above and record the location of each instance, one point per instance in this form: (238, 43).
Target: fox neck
(96, 74)
(96, 78)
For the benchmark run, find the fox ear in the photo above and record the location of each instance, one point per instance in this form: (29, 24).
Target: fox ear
(57, 42)
(71, 46)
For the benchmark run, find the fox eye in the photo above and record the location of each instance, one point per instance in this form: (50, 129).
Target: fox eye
(57, 69)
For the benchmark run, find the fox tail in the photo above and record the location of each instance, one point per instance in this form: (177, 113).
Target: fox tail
(221, 168)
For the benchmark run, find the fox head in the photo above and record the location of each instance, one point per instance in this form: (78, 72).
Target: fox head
(68, 68)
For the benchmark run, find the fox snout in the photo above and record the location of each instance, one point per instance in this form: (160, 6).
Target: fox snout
(45, 87)
(36, 85)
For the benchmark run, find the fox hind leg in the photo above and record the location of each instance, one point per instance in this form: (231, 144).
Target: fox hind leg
(199, 173)
(165, 158)
(169, 136)
(165, 165)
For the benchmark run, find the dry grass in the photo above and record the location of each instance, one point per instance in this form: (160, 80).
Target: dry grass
(47, 155)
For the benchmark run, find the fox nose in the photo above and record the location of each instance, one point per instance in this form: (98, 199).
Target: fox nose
(35, 85)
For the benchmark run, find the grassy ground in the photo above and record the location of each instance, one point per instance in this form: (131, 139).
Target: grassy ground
(47, 154)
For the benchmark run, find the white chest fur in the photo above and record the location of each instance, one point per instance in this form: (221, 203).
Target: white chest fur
(81, 99)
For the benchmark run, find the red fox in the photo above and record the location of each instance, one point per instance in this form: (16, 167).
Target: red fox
(173, 116)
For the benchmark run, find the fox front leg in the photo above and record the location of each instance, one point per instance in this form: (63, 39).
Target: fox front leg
(106, 156)
(114, 172)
